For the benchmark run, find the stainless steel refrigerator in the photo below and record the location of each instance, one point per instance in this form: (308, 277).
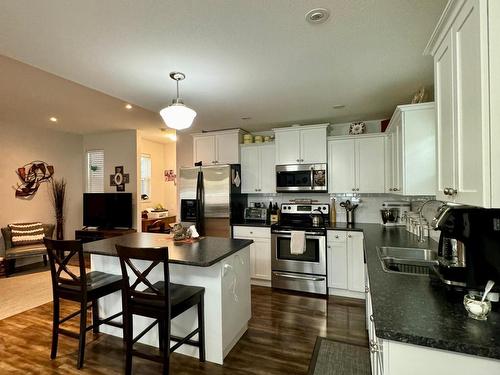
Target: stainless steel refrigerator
(211, 198)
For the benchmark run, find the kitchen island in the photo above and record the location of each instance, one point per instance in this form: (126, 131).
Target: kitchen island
(220, 265)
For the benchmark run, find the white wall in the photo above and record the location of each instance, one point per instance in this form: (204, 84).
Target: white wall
(21, 145)
(162, 158)
(120, 149)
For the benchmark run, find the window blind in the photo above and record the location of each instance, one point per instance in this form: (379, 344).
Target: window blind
(146, 175)
(95, 171)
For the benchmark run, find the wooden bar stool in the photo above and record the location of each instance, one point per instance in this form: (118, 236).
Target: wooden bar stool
(161, 301)
(82, 288)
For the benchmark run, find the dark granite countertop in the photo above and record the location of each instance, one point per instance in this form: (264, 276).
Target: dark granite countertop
(202, 253)
(252, 224)
(409, 309)
(346, 227)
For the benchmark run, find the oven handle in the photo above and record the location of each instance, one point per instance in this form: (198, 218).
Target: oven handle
(312, 178)
(309, 278)
(286, 232)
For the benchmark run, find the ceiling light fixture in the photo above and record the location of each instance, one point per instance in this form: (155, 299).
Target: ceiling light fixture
(339, 106)
(53, 119)
(246, 118)
(317, 15)
(177, 115)
(128, 106)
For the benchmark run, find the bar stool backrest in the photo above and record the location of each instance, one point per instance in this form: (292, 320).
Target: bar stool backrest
(60, 253)
(157, 256)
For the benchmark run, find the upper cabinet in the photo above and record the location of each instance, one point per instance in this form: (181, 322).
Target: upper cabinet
(301, 144)
(221, 147)
(258, 173)
(411, 150)
(465, 47)
(356, 164)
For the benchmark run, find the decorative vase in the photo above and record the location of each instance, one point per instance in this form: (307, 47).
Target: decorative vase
(60, 229)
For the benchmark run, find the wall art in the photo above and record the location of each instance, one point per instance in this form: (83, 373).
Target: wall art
(32, 175)
(119, 179)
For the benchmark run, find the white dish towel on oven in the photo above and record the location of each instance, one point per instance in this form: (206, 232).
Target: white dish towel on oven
(298, 242)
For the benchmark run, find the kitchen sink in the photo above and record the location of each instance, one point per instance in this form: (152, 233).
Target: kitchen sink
(408, 260)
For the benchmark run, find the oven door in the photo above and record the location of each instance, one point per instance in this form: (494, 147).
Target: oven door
(312, 261)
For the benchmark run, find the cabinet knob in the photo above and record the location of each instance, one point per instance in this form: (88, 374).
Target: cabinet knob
(367, 290)
(336, 236)
(453, 191)
(391, 189)
(357, 189)
(353, 189)
(298, 160)
(329, 246)
(349, 236)
(251, 232)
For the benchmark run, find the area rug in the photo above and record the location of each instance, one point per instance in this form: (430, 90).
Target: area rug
(338, 358)
(24, 291)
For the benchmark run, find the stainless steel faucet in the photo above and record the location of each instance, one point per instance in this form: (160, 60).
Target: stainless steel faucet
(420, 217)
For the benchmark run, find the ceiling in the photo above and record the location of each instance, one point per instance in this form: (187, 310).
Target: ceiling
(257, 59)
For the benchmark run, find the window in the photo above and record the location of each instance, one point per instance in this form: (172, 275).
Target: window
(95, 171)
(145, 177)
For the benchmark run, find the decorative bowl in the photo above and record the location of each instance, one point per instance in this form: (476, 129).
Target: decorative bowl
(477, 310)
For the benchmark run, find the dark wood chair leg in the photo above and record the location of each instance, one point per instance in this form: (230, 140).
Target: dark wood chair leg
(45, 260)
(95, 316)
(83, 327)
(201, 325)
(128, 333)
(55, 327)
(166, 351)
(161, 332)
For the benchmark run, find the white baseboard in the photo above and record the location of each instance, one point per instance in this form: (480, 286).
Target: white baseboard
(261, 282)
(345, 293)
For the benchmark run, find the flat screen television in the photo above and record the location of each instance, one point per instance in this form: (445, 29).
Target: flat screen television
(107, 210)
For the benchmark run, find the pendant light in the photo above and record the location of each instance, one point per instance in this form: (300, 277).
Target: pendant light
(177, 115)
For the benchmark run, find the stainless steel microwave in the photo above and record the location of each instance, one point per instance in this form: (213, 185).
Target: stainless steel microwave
(302, 178)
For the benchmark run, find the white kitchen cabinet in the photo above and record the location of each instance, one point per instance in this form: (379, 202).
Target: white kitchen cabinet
(356, 164)
(258, 173)
(356, 262)
(465, 50)
(412, 144)
(301, 144)
(221, 147)
(345, 263)
(260, 252)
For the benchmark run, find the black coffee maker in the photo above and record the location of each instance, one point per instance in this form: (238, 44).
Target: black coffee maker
(469, 247)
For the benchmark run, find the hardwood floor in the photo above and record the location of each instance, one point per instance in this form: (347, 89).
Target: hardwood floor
(280, 340)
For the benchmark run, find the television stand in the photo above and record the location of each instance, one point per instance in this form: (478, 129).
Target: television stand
(93, 234)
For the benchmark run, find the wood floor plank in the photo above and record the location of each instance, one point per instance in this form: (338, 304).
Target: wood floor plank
(280, 340)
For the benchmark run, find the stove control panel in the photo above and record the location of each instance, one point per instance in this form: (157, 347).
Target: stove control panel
(300, 208)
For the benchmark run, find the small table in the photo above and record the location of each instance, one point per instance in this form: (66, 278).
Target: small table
(167, 220)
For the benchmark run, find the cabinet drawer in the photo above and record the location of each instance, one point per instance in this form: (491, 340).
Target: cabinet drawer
(251, 232)
(336, 236)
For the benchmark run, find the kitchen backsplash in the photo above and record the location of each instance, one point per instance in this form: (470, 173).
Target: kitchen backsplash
(368, 210)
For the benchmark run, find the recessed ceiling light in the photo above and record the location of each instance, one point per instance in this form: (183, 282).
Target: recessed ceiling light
(317, 15)
(128, 106)
(246, 118)
(53, 119)
(339, 106)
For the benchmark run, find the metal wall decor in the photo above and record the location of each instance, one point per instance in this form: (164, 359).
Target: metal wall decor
(119, 179)
(32, 175)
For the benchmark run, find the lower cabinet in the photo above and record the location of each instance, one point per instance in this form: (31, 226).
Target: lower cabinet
(345, 263)
(260, 252)
(388, 357)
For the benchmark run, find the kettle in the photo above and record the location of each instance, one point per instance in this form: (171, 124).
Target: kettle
(317, 220)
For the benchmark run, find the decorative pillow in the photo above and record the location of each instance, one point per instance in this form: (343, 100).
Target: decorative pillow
(26, 233)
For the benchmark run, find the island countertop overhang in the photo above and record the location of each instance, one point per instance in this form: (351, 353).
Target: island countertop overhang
(202, 253)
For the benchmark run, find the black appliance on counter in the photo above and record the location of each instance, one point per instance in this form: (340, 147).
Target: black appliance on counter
(304, 272)
(469, 247)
